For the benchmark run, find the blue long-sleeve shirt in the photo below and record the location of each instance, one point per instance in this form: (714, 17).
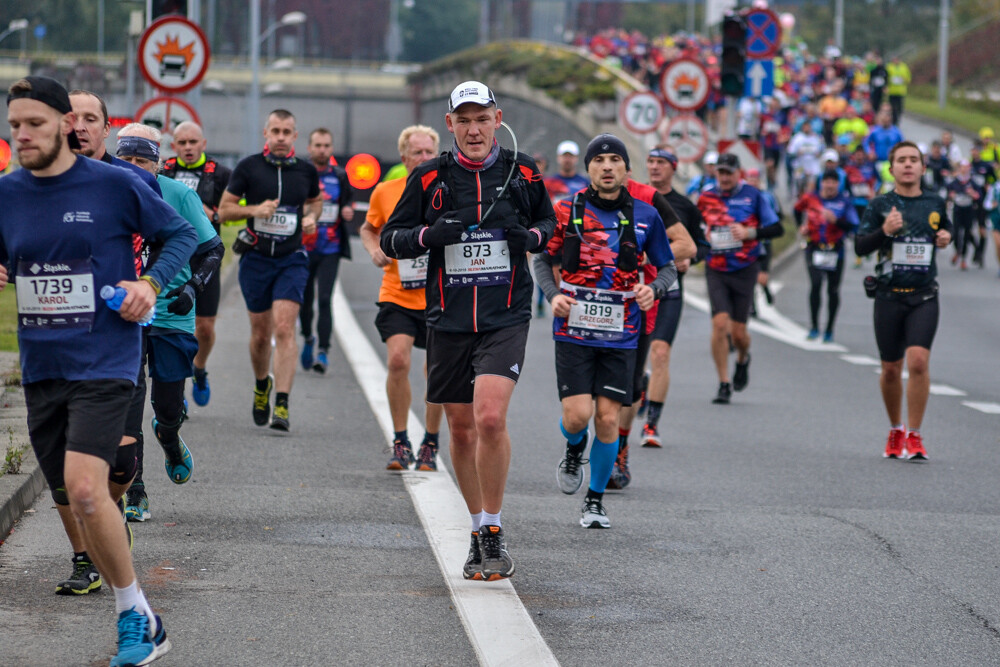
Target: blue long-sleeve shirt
(881, 140)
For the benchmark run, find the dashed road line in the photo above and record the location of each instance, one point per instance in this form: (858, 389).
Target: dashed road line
(988, 408)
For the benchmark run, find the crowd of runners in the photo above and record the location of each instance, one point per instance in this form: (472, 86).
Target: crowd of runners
(462, 240)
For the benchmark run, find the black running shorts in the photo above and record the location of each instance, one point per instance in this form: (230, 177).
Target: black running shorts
(732, 291)
(456, 359)
(207, 303)
(668, 318)
(393, 319)
(905, 321)
(597, 371)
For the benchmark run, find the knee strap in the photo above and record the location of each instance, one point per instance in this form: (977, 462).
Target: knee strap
(125, 465)
(59, 496)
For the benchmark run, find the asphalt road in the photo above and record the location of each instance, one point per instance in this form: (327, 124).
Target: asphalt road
(770, 531)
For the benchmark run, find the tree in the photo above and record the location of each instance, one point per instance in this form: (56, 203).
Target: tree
(434, 28)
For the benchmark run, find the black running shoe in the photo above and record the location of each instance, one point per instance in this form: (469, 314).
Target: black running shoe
(497, 563)
(402, 456)
(741, 377)
(262, 404)
(725, 393)
(84, 579)
(473, 568)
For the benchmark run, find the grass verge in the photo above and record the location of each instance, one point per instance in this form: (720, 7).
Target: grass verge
(965, 115)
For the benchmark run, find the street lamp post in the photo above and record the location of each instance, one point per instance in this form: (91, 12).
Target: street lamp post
(256, 39)
(17, 25)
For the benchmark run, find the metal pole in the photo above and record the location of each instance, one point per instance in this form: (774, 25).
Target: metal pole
(194, 14)
(100, 29)
(253, 104)
(484, 21)
(130, 76)
(838, 25)
(690, 17)
(272, 41)
(731, 103)
(393, 46)
(943, 56)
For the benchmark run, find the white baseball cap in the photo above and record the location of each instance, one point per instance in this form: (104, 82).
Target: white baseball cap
(830, 155)
(570, 147)
(711, 157)
(470, 92)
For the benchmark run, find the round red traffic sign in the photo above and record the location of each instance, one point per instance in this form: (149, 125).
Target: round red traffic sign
(641, 112)
(688, 136)
(173, 54)
(763, 34)
(685, 84)
(165, 113)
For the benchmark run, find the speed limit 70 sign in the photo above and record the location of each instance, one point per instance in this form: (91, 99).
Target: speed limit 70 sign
(641, 112)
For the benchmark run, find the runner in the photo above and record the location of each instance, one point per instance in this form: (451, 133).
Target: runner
(478, 298)
(830, 217)
(68, 224)
(400, 321)
(283, 203)
(326, 246)
(600, 237)
(707, 179)
(905, 227)
(964, 194)
(984, 174)
(566, 181)
(171, 344)
(764, 260)
(737, 218)
(193, 168)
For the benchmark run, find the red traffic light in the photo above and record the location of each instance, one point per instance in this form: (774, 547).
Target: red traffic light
(363, 171)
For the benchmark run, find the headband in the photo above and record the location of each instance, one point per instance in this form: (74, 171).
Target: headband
(139, 147)
(664, 154)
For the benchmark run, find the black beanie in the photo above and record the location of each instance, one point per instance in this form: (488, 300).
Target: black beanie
(605, 143)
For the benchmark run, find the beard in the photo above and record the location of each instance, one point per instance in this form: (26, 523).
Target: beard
(45, 157)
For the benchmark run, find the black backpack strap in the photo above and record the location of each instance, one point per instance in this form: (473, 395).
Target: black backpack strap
(628, 245)
(573, 236)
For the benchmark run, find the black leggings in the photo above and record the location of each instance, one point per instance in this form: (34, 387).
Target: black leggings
(965, 216)
(833, 280)
(322, 270)
(167, 399)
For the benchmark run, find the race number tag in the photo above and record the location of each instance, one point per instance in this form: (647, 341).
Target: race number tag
(330, 213)
(597, 314)
(283, 223)
(722, 239)
(825, 260)
(188, 178)
(907, 256)
(413, 272)
(55, 295)
(481, 259)
(861, 190)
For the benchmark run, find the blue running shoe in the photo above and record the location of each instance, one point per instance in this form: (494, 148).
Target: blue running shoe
(321, 363)
(307, 353)
(828, 337)
(177, 458)
(136, 644)
(813, 334)
(200, 391)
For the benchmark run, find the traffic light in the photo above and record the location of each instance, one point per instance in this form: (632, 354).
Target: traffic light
(164, 7)
(734, 54)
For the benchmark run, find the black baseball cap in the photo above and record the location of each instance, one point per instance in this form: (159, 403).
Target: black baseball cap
(47, 91)
(728, 162)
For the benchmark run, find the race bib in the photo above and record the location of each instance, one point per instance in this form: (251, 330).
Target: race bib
(413, 272)
(283, 223)
(861, 190)
(915, 256)
(188, 178)
(597, 314)
(481, 259)
(825, 260)
(331, 211)
(55, 295)
(878, 81)
(898, 81)
(963, 200)
(722, 239)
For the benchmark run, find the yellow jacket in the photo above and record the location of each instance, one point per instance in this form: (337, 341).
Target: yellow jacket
(899, 78)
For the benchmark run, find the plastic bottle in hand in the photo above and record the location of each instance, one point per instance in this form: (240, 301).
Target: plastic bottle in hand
(114, 296)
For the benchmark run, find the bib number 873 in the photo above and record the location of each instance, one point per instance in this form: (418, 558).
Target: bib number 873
(470, 250)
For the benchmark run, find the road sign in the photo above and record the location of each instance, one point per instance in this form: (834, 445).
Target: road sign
(4, 154)
(173, 54)
(759, 78)
(641, 112)
(749, 153)
(685, 85)
(763, 34)
(165, 113)
(688, 136)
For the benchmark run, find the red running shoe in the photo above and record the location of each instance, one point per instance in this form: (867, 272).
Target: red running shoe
(915, 448)
(894, 445)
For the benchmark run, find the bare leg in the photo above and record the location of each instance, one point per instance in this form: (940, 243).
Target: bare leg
(918, 386)
(891, 383)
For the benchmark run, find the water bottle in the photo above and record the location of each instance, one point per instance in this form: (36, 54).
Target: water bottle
(114, 296)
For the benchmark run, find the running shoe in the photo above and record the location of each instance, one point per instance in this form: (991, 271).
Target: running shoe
(965, 265)
(427, 457)
(321, 362)
(620, 475)
(402, 456)
(201, 392)
(650, 436)
(569, 472)
(262, 403)
(84, 579)
(725, 393)
(497, 563)
(307, 353)
(136, 503)
(741, 376)
(813, 334)
(279, 420)
(894, 445)
(137, 645)
(828, 337)
(177, 457)
(594, 515)
(129, 535)
(473, 568)
(643, 399)
(914, 450)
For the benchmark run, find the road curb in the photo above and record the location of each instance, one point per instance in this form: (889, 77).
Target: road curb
(17, 492)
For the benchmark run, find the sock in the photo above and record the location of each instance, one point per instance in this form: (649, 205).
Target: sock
(653, 416)
(262, 384)
(594, 495)
(898, 427)
(431, 438)
(131, 597)
(477, 521)
(915, 432)
(281, 398)
(401, 435)
(623, 438)
(574, 439)
(199, 372)
(82, 557)
(490, 519)
(602, 461)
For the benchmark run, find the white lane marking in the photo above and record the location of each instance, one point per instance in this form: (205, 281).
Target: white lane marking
(988, 408)
(499, 628)
(860, 360)
(946, 390)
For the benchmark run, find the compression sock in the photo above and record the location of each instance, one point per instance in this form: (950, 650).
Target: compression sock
(281, 398)
(401, 436)
(575, 440)
(602, 462)
(131, 597)
(262, 384)
(490, 519)
(623, 438)
(655, 409)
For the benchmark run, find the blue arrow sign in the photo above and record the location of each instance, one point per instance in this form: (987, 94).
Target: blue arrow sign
(758, 78)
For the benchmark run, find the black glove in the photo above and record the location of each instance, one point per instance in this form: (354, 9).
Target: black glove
(521, 240)
(446, 230)
(183, 299)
